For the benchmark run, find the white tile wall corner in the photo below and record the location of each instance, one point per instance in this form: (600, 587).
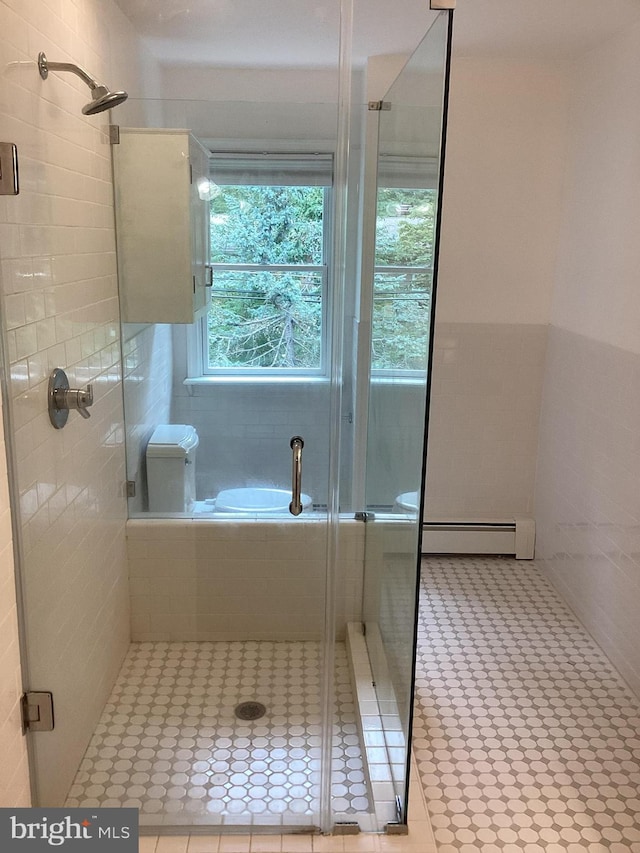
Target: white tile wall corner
(483, 429)
(248, 579)
(59, 287)
(147, 372)
(588, 489)
(14, 779)
(380, 729)
(389, 607)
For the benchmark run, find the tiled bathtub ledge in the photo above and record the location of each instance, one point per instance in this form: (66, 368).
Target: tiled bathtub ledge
(239, 579)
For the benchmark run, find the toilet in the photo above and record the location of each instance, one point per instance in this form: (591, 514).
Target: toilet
(171, 480)
(261, 501)
(171, 468)
(407, 502)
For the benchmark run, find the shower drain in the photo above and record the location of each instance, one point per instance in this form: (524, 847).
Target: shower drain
(250, 711)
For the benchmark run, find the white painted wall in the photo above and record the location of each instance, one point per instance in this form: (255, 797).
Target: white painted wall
(588, 496)
(500, 223)
(250, 85)
(502, 202)
(596, 291)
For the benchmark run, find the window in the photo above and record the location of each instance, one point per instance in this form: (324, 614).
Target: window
(269, 238)
(405, 231)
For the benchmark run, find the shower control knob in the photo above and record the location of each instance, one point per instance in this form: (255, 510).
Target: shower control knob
(78, 399)
(62, 399)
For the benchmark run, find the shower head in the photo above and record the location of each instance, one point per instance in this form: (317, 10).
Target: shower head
(102, 98)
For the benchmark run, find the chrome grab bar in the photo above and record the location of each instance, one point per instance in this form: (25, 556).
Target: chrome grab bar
(295, 507)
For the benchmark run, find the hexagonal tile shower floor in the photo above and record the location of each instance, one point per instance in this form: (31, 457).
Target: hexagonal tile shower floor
(169, 741)
(526, 737)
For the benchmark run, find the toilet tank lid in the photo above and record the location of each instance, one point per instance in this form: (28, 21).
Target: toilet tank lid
(172, 440)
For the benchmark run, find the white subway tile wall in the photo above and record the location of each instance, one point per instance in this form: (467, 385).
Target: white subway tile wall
(147, 369)
(14, 779)
(483, 428)
(588, 490)
(239, 580)
(58, 270)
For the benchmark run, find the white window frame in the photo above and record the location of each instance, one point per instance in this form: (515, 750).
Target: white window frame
(198, 369)
(404, 173)
(399, 372)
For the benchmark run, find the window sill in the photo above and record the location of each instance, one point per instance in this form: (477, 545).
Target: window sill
(397, 379)
(203, 381)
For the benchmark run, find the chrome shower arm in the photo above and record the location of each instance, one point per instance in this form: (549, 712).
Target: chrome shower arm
(102, 98)
(44, 66)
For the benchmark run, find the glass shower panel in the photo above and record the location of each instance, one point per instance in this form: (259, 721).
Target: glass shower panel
(253, 369)
(408, 207)
(225, 579)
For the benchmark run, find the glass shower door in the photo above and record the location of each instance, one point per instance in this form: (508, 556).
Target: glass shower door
(410, 158)
(217, 571)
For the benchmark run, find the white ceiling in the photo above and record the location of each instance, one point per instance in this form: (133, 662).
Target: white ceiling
(539, 29)
(273, 33)
(304, 33)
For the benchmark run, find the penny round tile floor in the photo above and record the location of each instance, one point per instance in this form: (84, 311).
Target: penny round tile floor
(170, 744)
(526, 737)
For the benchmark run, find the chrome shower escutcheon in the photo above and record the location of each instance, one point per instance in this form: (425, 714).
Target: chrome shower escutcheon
(62, 399)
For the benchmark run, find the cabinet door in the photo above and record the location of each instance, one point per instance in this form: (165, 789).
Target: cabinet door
(199, 208)
(162, 225)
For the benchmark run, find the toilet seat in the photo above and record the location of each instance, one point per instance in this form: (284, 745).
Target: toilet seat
(407, 502)
(253, 500)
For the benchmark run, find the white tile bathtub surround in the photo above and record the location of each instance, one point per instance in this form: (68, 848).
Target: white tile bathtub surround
(588, 491)
(483, 427)
(58, 274)
(147, 370)
(14, 779)
(239, 579)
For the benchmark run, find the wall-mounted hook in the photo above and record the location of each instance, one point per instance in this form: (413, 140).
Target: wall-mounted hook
(62, 399)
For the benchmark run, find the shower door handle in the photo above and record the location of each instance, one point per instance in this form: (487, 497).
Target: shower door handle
(295, 507)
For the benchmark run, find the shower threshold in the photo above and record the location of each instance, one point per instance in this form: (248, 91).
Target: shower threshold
(169, 742)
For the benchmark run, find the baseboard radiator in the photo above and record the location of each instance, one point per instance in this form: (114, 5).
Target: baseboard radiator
(515, 537)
